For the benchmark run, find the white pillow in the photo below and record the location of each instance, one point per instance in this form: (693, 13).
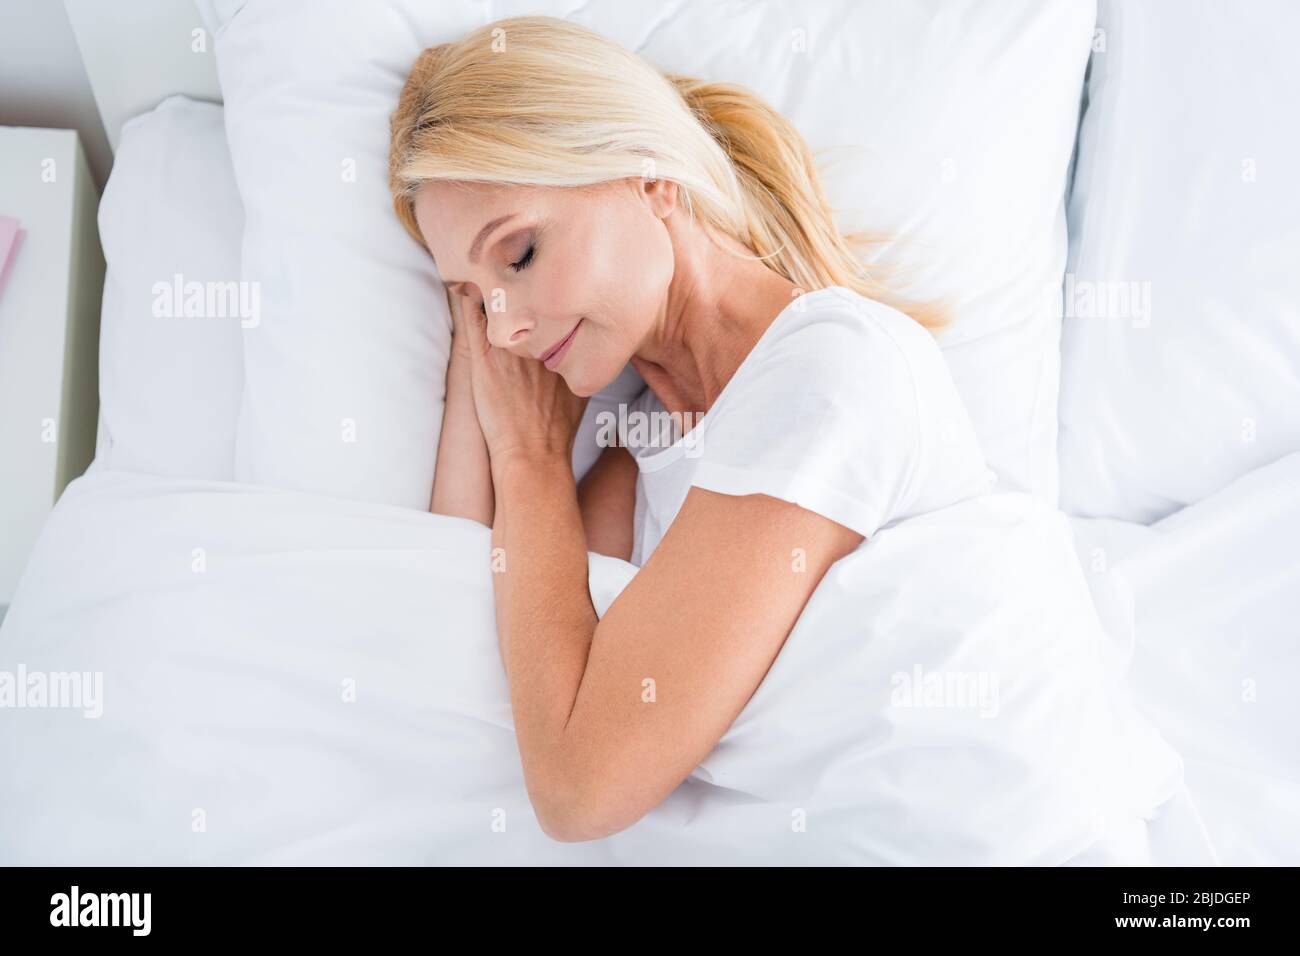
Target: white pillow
(956, 144)
(345, 374)
(170, 383)
(1185, 199)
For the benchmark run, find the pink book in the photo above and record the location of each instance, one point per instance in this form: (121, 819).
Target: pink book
(11, 237)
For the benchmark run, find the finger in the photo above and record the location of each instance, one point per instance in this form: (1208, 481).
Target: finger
(474, 327)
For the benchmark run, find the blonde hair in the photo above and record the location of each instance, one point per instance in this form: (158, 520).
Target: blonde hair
(545, 102)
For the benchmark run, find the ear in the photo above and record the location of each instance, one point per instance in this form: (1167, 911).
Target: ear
(661, 195)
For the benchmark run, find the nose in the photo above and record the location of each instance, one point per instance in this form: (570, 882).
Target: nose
(507, 327)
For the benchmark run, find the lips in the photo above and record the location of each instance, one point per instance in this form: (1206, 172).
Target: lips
(556, 353)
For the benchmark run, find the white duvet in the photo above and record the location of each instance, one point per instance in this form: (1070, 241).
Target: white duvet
(1204, 608)
(289, 678)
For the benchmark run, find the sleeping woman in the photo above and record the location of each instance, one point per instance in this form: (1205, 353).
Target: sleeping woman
(586, 211)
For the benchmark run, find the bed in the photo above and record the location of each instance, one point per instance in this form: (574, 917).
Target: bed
(254, 646)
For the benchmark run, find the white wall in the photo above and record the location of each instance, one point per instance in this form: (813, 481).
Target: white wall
(42, 80)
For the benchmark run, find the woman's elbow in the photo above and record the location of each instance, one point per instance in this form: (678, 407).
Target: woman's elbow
(577, 814)
(564, 826)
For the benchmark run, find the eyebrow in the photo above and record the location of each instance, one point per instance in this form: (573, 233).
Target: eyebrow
(483, 233)
(476, 247)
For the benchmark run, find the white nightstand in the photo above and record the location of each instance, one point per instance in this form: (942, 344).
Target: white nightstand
(49, 334)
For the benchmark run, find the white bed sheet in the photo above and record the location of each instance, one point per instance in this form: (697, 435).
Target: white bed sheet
(1203, 607)
(290, 678)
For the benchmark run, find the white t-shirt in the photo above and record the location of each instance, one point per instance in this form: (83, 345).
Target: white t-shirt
(844, 407)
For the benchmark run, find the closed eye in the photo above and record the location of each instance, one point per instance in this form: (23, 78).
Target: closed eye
(526, 261)
(519, 266)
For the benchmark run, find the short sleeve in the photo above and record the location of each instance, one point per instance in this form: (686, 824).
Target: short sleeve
(830, 417)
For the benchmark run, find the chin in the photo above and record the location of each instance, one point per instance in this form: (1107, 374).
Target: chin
(586, 382)
(580, 387)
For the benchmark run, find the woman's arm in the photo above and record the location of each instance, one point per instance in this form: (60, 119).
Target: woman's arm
(607, 500)
(462, 481)
(612, 715)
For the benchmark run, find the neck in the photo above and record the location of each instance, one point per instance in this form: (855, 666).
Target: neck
(717, 308)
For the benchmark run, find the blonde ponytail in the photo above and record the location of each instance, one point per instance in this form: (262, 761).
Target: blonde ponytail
(787, 220)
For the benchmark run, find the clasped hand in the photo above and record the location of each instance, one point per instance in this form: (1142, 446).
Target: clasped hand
(524, 409)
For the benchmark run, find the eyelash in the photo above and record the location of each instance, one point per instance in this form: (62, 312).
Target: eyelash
(526, 261)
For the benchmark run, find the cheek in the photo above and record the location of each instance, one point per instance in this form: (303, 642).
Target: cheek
(626, 264)
(615, 271)
(625, 252)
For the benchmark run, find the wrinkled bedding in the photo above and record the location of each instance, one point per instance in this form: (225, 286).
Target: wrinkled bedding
(1203, 609)
(290, 678)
